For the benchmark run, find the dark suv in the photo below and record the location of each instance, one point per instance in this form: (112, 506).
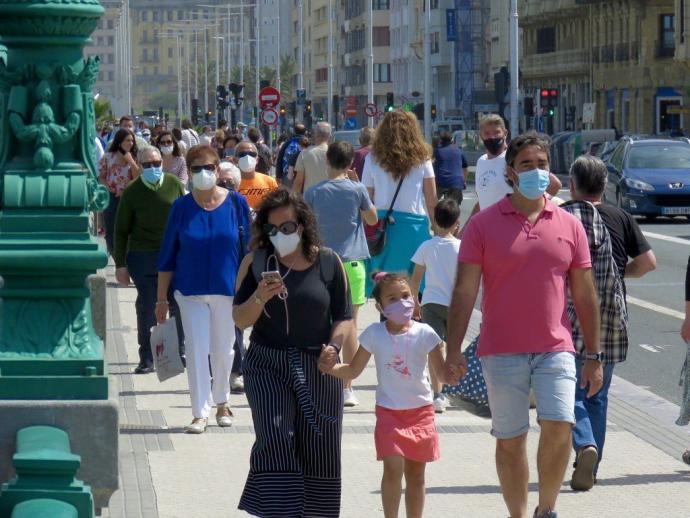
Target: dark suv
(650, 176)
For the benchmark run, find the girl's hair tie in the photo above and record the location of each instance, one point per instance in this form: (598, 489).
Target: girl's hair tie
(378, 277)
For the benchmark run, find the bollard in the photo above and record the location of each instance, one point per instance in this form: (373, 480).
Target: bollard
(46, 470)
(44, 508)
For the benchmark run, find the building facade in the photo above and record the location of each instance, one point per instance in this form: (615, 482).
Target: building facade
(105, 42)
(618, 54)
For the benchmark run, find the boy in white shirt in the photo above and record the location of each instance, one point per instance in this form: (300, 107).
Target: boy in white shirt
(437, 260)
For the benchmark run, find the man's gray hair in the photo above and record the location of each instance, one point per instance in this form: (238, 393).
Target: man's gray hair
(145, 152)
(589, 174)
(322, 130)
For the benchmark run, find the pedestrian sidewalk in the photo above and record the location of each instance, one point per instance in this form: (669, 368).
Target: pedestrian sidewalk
(168, 474)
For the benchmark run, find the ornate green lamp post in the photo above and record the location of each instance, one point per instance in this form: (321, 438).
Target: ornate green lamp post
(48, 349)
(52, 368)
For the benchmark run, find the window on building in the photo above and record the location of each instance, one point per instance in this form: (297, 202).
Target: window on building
(681, 16)
(546, 40)
(382, 73)
(145, 54)
(434, 43)
(170, 70)
(144, 16)
(145, 36)
(321, 75)
(156, 15)
(381, 5)
(434, 4)
(381, 37)
(111, 41)
(170, 52)
(111, 24)
(169, 15)
(295, 27)
(180, 15)
(667, 35)
(155, 70)
(111, 75)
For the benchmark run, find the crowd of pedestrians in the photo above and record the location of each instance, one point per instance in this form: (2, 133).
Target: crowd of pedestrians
(225, 234)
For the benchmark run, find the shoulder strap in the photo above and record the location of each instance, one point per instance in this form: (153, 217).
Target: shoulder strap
(327, 265)
(240, 224)
(258, 263)
(395, 197)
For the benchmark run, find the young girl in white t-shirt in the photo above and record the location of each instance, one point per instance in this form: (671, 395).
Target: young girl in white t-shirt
(406, 437)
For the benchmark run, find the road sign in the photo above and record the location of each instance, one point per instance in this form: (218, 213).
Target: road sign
(370, 110)
(351, 112)
(269, 97)
(588, 110)
(351, 124)
(301, 95)
(269, 117)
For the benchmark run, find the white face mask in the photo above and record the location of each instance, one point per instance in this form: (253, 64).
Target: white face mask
(247, 163)
(167, 150)
(285, 244)
(204, 179)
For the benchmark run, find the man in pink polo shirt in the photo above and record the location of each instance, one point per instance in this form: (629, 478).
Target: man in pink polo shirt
(525, 251)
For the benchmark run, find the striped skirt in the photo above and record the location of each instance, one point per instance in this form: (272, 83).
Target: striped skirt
(294, 468)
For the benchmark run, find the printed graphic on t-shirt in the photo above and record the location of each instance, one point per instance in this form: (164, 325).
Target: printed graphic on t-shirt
(488, 177)
(399, 365)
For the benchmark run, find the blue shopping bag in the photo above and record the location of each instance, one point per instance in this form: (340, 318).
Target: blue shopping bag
(472, 387)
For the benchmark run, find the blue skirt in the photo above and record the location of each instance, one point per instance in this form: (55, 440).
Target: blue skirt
(402, 240)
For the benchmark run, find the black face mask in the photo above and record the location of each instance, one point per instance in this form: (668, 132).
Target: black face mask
(494, 145)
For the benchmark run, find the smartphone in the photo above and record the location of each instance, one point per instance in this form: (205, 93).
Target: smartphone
(272, 276)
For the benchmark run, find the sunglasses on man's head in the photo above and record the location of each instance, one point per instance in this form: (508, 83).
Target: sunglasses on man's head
(199, 168)
(289, 227)
(240, 154)
(155, 163)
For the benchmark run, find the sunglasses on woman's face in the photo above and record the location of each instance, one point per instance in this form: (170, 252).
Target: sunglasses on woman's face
(288, 227)
(199, 168)
(240, 154)
(165, 142)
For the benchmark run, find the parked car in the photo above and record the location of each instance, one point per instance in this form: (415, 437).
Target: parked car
(650, 177)
(351, 136)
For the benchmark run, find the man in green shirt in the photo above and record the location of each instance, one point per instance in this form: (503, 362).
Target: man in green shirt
(139, 228)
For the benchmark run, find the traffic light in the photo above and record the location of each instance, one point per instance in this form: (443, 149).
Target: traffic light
(236, 90)
(195, 111)
(336, 103)
(221, 97)
(548, 101)
(307, 108)
(433, 112)
(390, 101)
(501, 84)
(282, 111)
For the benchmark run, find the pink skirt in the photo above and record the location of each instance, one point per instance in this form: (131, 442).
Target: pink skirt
(410, 434)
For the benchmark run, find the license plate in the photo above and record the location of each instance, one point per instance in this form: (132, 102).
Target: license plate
(674, 211)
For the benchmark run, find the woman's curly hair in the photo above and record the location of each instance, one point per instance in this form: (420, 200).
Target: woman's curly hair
(282, 197)
(399, 145)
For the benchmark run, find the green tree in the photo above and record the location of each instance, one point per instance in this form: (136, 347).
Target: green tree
(103, 109)
(287, 74)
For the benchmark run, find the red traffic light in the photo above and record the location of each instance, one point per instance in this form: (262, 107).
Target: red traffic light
(544, 93)
(554, 93)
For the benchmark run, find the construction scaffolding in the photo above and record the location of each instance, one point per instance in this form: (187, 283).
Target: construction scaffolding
(470, 55)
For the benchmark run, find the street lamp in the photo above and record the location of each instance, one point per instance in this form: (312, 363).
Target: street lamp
(177, 37)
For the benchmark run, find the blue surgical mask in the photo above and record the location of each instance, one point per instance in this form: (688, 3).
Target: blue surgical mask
(152, 174)
(532, 184)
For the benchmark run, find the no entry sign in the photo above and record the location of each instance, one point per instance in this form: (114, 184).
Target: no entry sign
(269, 97)
(370, 110)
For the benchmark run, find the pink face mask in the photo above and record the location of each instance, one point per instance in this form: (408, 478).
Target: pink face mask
(400, 312)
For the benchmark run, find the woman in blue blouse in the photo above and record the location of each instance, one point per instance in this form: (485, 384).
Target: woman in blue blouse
(202, 249)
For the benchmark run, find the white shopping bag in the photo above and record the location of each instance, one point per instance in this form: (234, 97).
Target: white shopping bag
(166, 350)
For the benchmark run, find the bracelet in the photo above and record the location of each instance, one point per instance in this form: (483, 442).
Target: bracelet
(335, 346)
(162, 302)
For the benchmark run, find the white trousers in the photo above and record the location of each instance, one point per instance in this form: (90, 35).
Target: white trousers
(208, 330)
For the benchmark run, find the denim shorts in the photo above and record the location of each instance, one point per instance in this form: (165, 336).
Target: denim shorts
(509, 378)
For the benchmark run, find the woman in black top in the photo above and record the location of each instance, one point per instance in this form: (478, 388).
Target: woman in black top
(297, 314)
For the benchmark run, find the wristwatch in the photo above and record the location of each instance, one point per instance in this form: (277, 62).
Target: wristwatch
(595, 356)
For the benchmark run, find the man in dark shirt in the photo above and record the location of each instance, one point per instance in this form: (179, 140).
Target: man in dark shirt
(366, 135)
(588, 176)
(450, 168)
(265, 162)
(290, 148)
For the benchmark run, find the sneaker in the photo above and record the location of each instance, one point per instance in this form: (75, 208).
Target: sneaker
(545, 514)
(236, 383)
(349, 398)
(197, 426)
(586, 462)
(144, 368)
(440, 404)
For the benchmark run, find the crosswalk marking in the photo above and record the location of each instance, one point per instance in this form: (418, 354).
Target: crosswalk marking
(655, 307)
(670, 239)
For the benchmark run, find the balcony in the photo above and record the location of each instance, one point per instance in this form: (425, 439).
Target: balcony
(556, 63)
